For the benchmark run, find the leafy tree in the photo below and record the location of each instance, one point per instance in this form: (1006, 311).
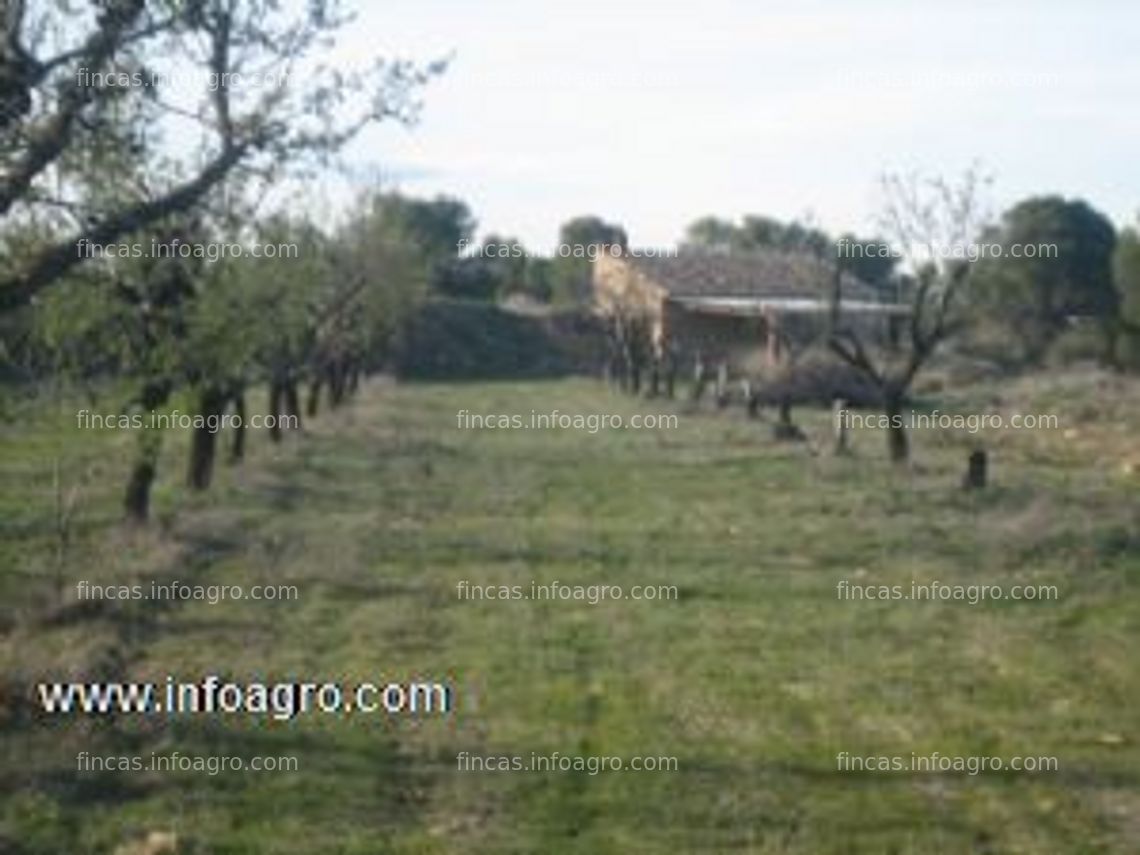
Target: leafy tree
(469, 277)
(153, 298)
(590, 231)
(712, 233)
(507, 259)
(756, 232)
(438, 228)
(187, 330)
(1038, 295)
(219, 360)
(379, 281)
(871, 261)
(580, 239)
(539, 278)
(436, 231)
(759, 232)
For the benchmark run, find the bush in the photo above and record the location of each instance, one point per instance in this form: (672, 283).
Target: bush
(468, 340)
(817, 377)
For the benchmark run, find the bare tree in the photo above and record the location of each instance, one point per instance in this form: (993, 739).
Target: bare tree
(929, 221)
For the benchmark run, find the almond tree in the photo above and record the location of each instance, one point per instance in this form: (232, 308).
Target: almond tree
(925, 220)
(97, 135)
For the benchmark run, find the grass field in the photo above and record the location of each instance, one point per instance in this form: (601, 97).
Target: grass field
(754, 678)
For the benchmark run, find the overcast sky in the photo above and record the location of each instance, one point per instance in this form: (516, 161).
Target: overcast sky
(653, 114)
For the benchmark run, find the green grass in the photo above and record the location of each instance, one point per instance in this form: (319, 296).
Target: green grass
(755, 678)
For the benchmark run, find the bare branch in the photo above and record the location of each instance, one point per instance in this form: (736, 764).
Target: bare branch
(58, 259)
(50, 139)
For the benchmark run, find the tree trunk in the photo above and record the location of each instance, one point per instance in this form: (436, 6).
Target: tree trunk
(976, 466)
(898, 446)
(785, 429)
(275, 403)
(136, 502)
(654, 379)
(313, 405)
(137, 499)
(839, 425)
(618, 352)
(336, 384)
(204, 442)
(753, 403)
(237, 448)
(751, 395)
(722, 385)
(292, 403)
(203, 446)
(634, 372)
(700, 381)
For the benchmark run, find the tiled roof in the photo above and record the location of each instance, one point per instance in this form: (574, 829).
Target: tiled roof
(771, 273)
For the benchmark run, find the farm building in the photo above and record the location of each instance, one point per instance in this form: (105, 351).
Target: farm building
(744, 311)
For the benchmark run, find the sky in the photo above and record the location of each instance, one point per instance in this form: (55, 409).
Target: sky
(654, 114)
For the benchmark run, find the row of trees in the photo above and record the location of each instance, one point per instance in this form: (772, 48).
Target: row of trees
(99, 145)
(145, 335)
(103, 143)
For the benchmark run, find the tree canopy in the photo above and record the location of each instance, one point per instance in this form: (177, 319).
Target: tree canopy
(100, 137)
(1055, 263)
